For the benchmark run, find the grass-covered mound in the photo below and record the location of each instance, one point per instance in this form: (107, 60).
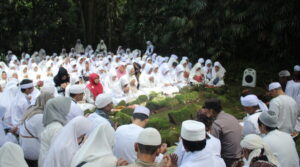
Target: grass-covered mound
(167, 113)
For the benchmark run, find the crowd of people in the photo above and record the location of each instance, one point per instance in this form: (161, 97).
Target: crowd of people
(43, 123)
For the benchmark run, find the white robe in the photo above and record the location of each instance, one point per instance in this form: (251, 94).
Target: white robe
(213, 146)
(287, 110)
(201, 158)
(5, 137)
(126, 137)
(31, 144)
(251, 124)
(46, 137)
(65, 144)
(11, 155)
(75, 111)
(283, 147)
(97, 150)
(293, 89)
(19, 108)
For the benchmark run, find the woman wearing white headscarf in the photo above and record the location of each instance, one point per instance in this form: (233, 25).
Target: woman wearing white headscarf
(24, 73)
(97, 150)
(197, 74)
(148, 80)
(130, 76)
(5, 137)
(66, 143)
(182, 80)
(31, 127)
(11, 155)
(218, 74)
(54, 118)
(166, 84)
(112, 83)
(208, 69)
(6, 100)
(35, 73)
(173, 59)
(254, 146)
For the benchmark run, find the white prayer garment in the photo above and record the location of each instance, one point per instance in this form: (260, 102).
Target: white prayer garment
(293, 89)
(19, 107)
(11, 155)
(165, 81)
(75, 111)
(250, 124)
(208, 69)
(283, 147)
(97, 149)
(197, 74)
(218, 73)
(213, 146)
(9, 137)
(182, 81)
(54, 119)
(66, 143)
(31, 127)
(287, 110)
(7, 99)
(126, 137)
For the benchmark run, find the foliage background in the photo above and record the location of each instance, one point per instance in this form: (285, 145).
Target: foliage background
(239, 33)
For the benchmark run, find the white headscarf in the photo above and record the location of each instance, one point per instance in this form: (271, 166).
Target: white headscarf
(97, 148)
(65, 144)
(256, 144)
(11, 155)
(221, 71)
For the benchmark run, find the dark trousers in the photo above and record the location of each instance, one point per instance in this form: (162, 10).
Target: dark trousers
(32, 163)
(229, 161)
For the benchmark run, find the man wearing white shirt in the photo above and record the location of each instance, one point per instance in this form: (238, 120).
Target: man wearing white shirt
(193, 135)
(25, 97)
(76, 93)
(293, 87)
(285, 108)
(126, 135)
(282, 144)
(251, 106)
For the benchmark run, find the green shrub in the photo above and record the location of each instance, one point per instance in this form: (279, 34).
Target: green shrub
(171, 102)
(156, 103)
(158, 123)
(186, 113)
(122, 103)
(127, 111)
(170, 136)
(152, 95)
(122, 118)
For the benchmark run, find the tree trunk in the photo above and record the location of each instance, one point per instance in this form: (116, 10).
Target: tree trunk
(88, 14)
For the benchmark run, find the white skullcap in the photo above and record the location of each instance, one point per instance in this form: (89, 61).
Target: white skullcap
(86, 106)
(103, 100)
(274, 85)
(269, 118)
(284, 73)
(77, 89)
(297, 68)
(149, 137)
(249, 101)
(142, 110)
(193, 130)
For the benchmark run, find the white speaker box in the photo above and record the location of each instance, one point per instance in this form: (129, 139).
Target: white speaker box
(249, 78)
